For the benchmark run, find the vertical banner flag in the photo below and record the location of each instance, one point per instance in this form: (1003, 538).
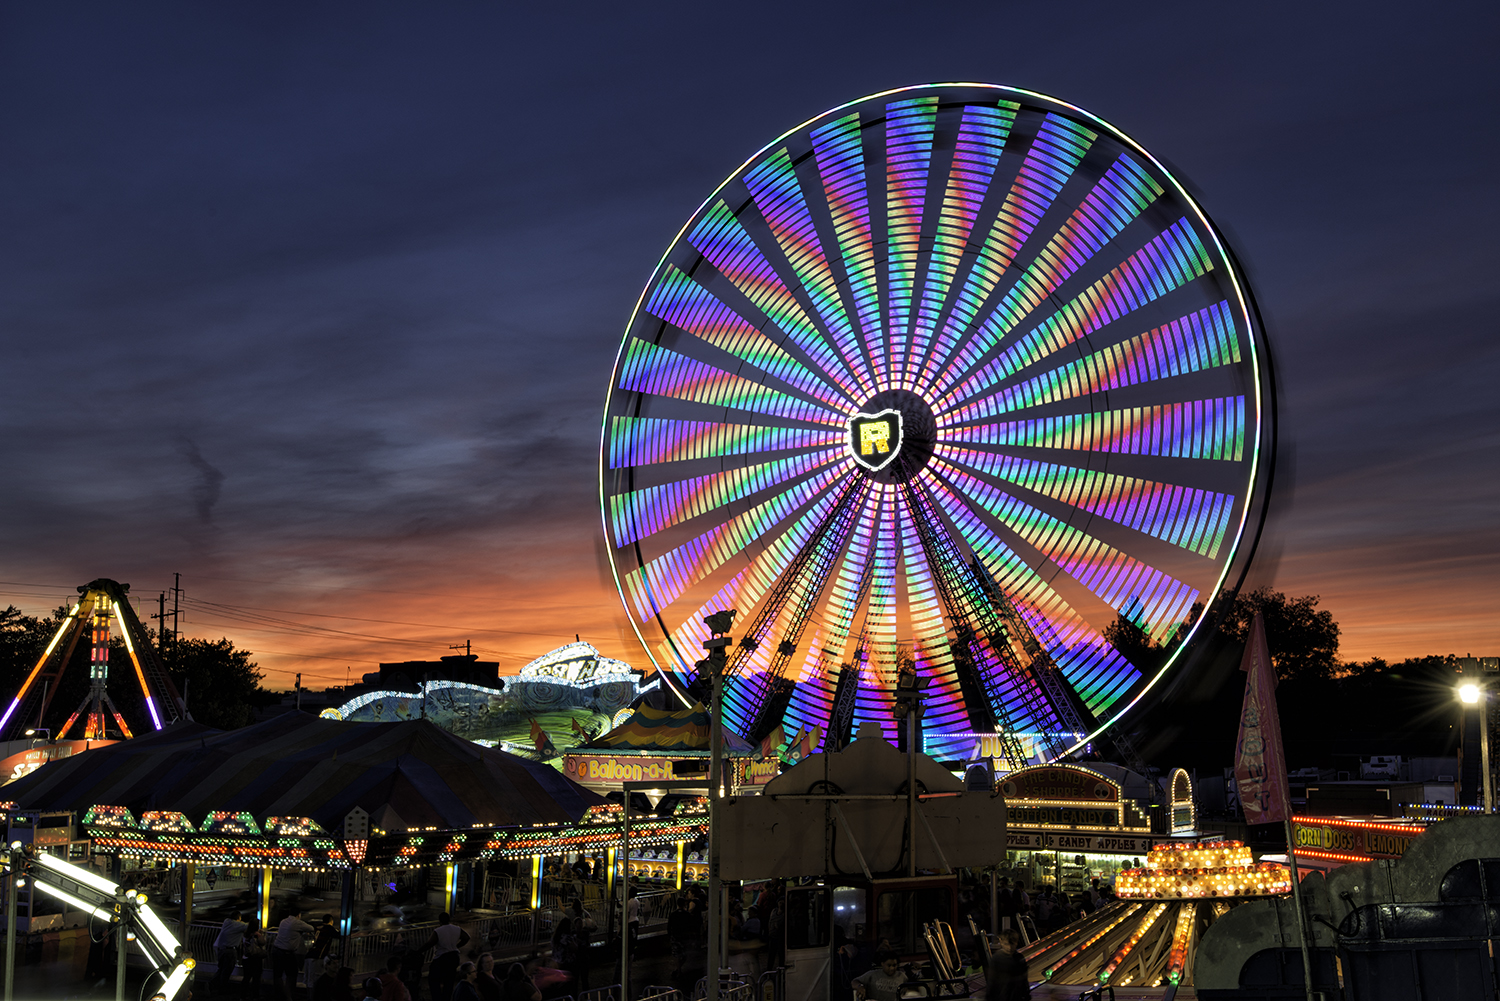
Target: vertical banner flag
(773, 742)
(1259, 765)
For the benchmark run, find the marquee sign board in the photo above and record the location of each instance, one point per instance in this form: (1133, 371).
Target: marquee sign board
(875, 439)
(1054, 783)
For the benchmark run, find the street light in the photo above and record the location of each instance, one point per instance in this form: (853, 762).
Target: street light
(1472, 694)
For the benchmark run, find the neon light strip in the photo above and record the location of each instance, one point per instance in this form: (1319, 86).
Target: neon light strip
(139, 674)
(1131, 942)
(909, 127)
(1120, 580)
(977, 148)
(1362, 824)
(1194, 429)
(649, 368)
(1119, 196)
(1184, 516)
(746, 588)
(778, 195)
(1195, 343)
(78, 902)
(1177, 956)
(1095, 670)
(1171, 260)
(640, 513)
(642, 441)
(15, 703)
(839, 149)
(1078, 950)
(930, 646)
(685, 304)
(723, 242)
(663, 580)
(1055, 153)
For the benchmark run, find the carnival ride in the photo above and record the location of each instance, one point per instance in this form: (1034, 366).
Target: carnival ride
(99, 600)
(950, 379)
(127, 912)
(1149, 936)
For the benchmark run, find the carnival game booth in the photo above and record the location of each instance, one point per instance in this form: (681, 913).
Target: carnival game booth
(1072, 823)
(378, 823)
(670, 745)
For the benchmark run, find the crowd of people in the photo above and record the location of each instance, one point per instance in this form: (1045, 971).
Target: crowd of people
(1048, 907)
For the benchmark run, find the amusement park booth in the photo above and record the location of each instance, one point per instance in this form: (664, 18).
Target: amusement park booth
(358, 816)
(1071, 823)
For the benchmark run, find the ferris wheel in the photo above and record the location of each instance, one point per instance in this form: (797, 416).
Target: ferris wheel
(947, 380)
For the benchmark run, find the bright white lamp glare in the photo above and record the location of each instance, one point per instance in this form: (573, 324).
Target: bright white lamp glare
(176, 981)
(76, 873)
(82, 905)
(1469, 694)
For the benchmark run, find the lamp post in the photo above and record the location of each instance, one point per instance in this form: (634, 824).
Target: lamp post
(719, 624)
(1470, 694)
(908, 710)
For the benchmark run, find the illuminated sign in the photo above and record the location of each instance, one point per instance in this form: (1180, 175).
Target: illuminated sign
(601, 769)
(875, 439)
(1068, 816)
(1089, 844)
(1059, 782)
(1316, 836)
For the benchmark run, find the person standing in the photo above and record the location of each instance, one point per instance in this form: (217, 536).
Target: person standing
(1005, 980)
(287, 951)
(447, 938)
(1005, 904)
(227, 951)
(252, 961)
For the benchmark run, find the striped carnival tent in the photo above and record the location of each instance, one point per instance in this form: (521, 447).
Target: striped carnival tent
(409, 774)
(648, 729)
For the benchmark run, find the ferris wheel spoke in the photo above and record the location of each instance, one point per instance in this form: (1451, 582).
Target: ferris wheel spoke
(647, 441)
(661, 581)
(778, 195)
(1152, 597)
(1193, 429)
(658, 371)
(748, 587)
(981, 140)
(1091, 666)
(733, 252)
(1169, 261)
(637, 514)
(909, 132)
(1188, 517)
(1055, 152)
(839, 150)
(1196, 342)
(685, 304)
(1118, 198)
(960, 702)
(851, 584)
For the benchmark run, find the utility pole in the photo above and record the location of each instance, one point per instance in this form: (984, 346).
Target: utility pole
(299, 691)
(176, 595)
(467, 644)
(161, 624)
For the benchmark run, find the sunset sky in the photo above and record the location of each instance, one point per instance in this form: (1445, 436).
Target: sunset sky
(317, 304)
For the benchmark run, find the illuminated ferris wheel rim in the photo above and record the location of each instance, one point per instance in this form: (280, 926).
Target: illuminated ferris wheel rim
(1251, 511)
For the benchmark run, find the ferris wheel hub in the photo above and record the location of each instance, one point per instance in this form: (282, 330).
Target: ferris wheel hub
(892, 436)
